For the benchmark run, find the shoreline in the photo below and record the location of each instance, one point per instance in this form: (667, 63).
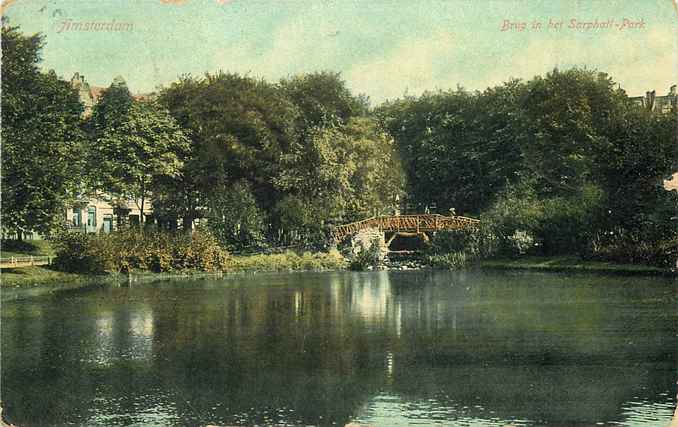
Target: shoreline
(42, 277)
(568, 264)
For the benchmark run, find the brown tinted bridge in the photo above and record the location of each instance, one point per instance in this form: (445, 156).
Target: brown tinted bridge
(406, 224)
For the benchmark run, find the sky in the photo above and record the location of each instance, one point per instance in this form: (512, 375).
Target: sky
(382, 48)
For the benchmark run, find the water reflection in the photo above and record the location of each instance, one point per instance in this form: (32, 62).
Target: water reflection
(376, 348)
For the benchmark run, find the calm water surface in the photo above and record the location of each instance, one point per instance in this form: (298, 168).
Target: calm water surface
(387, 349)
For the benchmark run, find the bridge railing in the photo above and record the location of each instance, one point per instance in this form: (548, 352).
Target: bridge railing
(416, 223)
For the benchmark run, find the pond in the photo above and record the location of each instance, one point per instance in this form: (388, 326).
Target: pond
(377, 348)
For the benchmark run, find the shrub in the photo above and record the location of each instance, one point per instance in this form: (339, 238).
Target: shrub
(288, 261)
(137, 250)
(367, 257)
(639, 247)
(521, 242)
(452, 260)
(74, 253)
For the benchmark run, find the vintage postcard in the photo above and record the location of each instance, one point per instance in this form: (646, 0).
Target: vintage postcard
(339, 213)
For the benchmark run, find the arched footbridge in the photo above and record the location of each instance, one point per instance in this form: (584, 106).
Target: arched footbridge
(406, 224)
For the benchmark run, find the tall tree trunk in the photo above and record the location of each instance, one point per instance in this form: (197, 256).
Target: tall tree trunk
(141, 212)
(189, 216)
(187, 223)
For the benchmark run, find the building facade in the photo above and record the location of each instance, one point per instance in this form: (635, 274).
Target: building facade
(661, 104)
(100, 213)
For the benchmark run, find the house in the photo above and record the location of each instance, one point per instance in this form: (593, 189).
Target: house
(100, 213)
(664, 105)
(660, 104)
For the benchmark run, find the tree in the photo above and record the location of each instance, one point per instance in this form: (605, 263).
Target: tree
(337, 173)
(144, 146)
(41, 138)
(113, 106)
(239, 128)
(235, 218)
(186, 195)
(568, 114)
(323, 98)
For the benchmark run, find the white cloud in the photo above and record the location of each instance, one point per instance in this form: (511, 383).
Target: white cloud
(639, 61)
(414, 66)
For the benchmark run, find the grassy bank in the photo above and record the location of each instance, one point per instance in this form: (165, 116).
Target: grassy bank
(289, 261)
(15, 248)
(34, 275)
(571, 263)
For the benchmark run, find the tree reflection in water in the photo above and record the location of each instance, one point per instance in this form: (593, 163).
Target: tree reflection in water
(378, 348)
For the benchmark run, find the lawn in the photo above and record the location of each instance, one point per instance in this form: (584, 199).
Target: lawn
(15, 248)
(35, 275)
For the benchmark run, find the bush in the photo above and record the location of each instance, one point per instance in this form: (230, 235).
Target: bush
(520, 242)
(367, 257)
(521, 222)
(137, 250)
(452, 260)
(74, 253)
(288, 261)
(634, 247)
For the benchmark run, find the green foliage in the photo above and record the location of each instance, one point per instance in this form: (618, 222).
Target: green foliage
(288, 261)
(451, 261)
(323, 98)
(136, 250)
(12, 247)
(516, 210)
(135, 151)
(367, 258)
(112, 109)
(557, 161)
(235, 219)
(459, 149)
(521, 222)
(337, 173)
(300, 220)
(303, 148)
(41, 138)
(644, 246)
(455, 249)
(75, 253)
(239, 127)
(568, 115)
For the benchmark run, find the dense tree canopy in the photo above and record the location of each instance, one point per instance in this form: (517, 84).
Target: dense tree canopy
(137, 149)
(568, 149)
(323, 98)
(41, 138)
(565, 159)
(303, 149)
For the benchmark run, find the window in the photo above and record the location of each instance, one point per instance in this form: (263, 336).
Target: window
(108, 223)
(77, 217)
(91, 216)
